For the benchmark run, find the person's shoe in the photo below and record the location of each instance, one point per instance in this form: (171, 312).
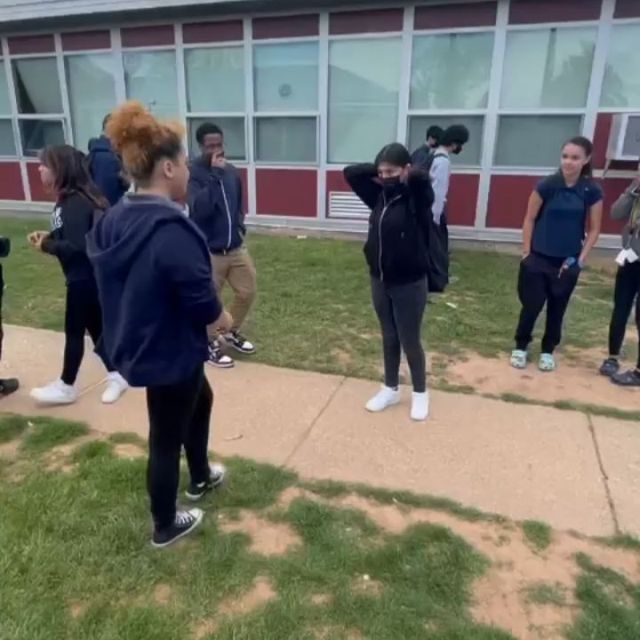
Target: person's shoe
(116, 387)
(197, 491)
(629, 378)
(384, 399)
(518, 359)
(8, 386)
(239, 343)
(610, 367)
(183, 525)
(55, 393)
(219, 359)
(547, 363)
(420, 406)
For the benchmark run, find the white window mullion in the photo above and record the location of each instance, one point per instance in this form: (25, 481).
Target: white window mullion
(181, 79)
(323, 107)
(64, 90)
(405, 73)
(249, 123)
(116, 46)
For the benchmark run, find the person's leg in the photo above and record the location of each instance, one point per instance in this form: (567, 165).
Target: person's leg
(559, 291)
(94, 325)
(532, 294)
(242, 279)
(196, 435)
(220, 273)
(391, 348)
(7, 385)
(75, 326)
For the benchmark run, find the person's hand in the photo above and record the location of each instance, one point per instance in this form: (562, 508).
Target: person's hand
(35, 239)
(218, 161)
(224, 323)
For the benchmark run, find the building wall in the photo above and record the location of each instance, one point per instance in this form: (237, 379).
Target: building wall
(301, 94)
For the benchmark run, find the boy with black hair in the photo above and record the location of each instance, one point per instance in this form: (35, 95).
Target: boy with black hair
(215, 205)
(421, 157)
(105, 167)
(7, 385)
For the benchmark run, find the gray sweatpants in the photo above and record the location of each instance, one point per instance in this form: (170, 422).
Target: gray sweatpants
(400, 310)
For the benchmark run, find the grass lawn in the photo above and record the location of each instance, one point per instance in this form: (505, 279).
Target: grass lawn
(314, 310)
(76, 564)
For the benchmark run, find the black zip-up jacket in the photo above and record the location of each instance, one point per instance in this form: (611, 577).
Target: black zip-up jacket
(396, 246)
(71, 220)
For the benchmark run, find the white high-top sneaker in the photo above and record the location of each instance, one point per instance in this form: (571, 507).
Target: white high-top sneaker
(384, 399)
(55, 393)
(420, 406)
(116, 387)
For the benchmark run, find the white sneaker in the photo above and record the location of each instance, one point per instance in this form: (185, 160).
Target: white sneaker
(116, 386)
(384, 399)
(420, 406)
(55, 393)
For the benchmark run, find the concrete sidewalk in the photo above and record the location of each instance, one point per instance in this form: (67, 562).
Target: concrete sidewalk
(523, 462)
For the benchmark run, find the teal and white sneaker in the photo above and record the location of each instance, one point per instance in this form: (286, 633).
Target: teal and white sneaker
(519, 359)
(547, 362)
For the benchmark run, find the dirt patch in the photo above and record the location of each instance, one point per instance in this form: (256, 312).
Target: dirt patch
(9, 450)
(331, 633)
(267, 538)
(77, 609)
(58, 459)
(580, 384)
(162, 594)
(128, 451)
(204, 629)
(321, 599)
(343, 357)
(259, 595)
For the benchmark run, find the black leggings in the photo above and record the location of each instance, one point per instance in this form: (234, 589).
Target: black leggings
(400, 310)
(82, 314)
(627, 290)
(179, 414)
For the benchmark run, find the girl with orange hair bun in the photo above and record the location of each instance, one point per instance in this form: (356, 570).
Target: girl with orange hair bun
(153, 272)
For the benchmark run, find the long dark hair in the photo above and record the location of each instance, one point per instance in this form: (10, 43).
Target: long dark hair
(395, 154)
(71, 174)
(587, 146)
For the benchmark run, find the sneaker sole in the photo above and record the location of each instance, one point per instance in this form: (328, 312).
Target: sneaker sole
(391, 404)
(217, 365)
(186, 532)
(244, 352)
(53, 403)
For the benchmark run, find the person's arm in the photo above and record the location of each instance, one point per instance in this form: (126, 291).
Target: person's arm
(533, 210)
(595, 224)
(70, 239)
(362, 178)
(440, 175)
(623, 206)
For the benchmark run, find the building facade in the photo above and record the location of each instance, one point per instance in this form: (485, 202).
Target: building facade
(300, 91)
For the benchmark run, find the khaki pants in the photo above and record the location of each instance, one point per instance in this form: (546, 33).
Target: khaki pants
(235, 268)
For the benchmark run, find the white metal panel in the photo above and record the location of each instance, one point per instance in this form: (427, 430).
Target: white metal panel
(346, 205)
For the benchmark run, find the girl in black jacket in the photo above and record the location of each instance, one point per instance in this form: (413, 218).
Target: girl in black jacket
(400, 200)
(64, 172)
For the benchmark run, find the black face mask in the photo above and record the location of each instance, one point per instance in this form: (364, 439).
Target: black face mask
(457, 150)
(391, 186)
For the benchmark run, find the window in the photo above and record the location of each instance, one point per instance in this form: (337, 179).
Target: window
(470, 155)
(286, 84)
(92, 94)
(150, 76)
(548, 68)
(533, 141)
(621, 86)
(234, 136)
(37, 134)
(451, 71)
(364, 82)
(7, 143)
(37, 86)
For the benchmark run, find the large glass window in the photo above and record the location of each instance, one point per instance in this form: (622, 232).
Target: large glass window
(37, 85)
(7, 143)
(150, 76)
(621, 86)
(286, 140)
(37, 134)
(5, 105)
(451, 71)
(234, 136)
(215, 79)
(533, 141)
(92, 94)
(548, 68)
(364, 82)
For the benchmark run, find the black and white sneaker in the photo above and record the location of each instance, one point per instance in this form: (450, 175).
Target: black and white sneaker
(219, 359)
(183, 525)
(239, 343)
(8, 386)
(196, 492)
(610, 367)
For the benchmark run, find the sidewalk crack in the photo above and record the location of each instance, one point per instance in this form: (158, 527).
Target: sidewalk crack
(605, 477)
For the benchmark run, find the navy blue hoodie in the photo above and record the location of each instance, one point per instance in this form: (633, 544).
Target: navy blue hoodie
(153, 272)
(215, 205)
(106, 169)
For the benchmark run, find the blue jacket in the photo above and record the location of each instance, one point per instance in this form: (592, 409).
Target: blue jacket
(215, 205)
(106, 169)
(153, 272)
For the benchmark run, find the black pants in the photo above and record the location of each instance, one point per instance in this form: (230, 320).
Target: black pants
(627, 290)
(540, 282)
(179, 415)
(1, 295)
(400, 310)
(82, 314)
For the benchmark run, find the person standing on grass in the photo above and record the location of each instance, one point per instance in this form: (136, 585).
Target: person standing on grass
(79, 203)
(106, 167)
(215, 205)
(154, 276)
(422, 156)
(627, 288)
(396, 251)
(561, 209)
(7, 385)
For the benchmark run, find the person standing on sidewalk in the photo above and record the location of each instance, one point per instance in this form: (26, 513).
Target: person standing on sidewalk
(64, 173)
(396, 251)
(561, 209)
(215, 205)
(627, 288)
(154, 275)
(7, 385)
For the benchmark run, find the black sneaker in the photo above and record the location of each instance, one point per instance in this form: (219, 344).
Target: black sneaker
(8, 386)
(196, 492)
(610, 367)
(239, 343)
(219, 359)
(629, 378)
(183, 525)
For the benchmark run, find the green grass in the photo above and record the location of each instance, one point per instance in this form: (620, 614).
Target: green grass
(537, 534)
(11, 427)
(544, 593)
(47, 433)
(314, 310)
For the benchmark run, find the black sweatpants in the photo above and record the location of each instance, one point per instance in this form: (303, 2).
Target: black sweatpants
(540, 281)
(1, 295)
(82, 314)
(627, 290)
(400, 310)
(179, 415)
